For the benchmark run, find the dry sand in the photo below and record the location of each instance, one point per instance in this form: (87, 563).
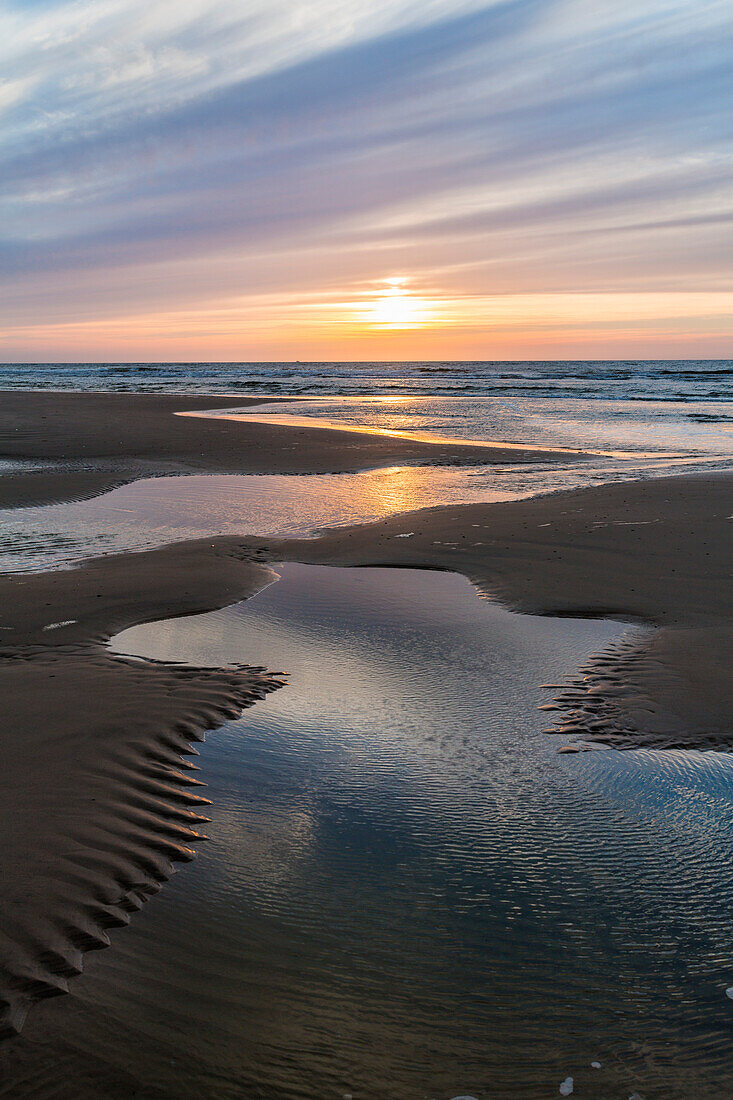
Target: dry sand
(98, 803)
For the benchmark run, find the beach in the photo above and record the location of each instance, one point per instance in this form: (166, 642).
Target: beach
(366, 572)
(125, 436)
(86, 851)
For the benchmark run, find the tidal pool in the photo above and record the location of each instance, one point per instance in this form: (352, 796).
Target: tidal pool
(407, 892)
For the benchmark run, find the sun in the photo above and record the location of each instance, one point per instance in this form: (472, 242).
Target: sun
(393, 306)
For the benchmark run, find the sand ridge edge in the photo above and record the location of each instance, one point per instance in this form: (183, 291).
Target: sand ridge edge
(99, 801)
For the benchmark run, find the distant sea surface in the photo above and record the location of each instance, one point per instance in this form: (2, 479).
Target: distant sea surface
(647, 380)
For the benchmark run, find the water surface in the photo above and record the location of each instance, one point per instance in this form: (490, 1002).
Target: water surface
(686, 380)
(408, 892)
(153, 511)
(642, 428)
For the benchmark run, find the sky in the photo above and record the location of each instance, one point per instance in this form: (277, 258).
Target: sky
(365, 179)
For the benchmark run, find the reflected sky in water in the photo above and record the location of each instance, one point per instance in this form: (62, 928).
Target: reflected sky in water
(154, 511)
(693, 427)
(408, 892)
(162, 509)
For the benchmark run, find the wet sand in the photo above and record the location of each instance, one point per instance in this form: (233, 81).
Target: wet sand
(121, 437)
(84, 850)
(658, 552)
(98, 802)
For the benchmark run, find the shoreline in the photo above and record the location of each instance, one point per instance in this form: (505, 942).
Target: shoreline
(104, 836)
(98, 430)
(289, 420)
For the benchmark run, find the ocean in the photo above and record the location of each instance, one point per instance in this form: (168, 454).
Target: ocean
(639, 380)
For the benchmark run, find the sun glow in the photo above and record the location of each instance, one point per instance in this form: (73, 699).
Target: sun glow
(394, 307)
(386, 320)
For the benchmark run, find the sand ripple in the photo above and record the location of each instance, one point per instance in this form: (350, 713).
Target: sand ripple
(90, 836)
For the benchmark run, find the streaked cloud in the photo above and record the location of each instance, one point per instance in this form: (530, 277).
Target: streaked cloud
(167, 160)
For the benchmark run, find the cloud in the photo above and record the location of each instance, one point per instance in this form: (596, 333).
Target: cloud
(521, 144)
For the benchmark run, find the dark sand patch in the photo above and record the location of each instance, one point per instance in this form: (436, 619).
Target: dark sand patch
(34, 487)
